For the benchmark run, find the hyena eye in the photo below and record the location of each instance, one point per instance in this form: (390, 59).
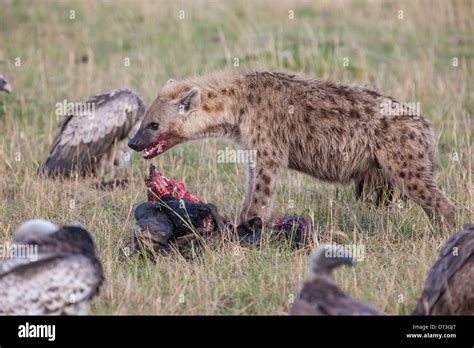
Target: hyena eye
(153, 126)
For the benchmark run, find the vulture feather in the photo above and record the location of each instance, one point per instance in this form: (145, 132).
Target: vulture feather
(449, 288)
(59, 276)
(91, 137)
(320, 295)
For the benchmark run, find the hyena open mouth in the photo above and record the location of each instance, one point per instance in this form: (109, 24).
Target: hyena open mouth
(154, 149)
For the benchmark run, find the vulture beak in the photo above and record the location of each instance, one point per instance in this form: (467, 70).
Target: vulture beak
(5, 86)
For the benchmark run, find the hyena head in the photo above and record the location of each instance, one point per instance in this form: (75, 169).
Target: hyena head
(162, 125)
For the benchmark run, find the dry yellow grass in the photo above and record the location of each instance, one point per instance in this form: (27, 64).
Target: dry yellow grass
(410, 59)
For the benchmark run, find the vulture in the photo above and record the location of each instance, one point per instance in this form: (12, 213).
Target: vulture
(449, 288)
(93, 135)
(4, 85)
(54, 271)
(320, 295)
(171, 215)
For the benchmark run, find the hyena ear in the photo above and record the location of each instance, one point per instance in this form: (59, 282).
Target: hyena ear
(169, 81)
(190, 102)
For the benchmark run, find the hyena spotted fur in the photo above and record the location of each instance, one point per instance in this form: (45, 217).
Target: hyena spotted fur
(331, 131)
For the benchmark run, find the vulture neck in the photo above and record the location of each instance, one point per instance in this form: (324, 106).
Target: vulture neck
(323, 277)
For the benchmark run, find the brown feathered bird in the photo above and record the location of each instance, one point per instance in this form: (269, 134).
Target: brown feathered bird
(4, 85)
(320, 295)
(94, 137)
(449, 288)
(54, 271)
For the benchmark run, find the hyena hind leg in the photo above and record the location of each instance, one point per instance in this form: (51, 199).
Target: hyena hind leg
(416, 180)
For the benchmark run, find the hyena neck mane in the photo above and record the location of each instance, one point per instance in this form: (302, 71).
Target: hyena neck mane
(221, 94)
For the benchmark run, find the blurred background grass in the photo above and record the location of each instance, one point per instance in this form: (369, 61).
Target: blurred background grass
(410, 55)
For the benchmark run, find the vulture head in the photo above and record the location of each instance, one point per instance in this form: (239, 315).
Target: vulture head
(33, 229)
(162, 125)
(4, 85)
(325, 258)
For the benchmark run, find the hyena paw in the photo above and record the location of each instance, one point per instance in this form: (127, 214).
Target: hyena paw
(250, 231)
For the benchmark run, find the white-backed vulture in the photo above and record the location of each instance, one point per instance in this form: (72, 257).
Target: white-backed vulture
(449, 287)
(320, 295)
(54, 271)
(94, 135)
(4, 85)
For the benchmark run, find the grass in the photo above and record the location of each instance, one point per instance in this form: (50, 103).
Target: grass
(410, 59)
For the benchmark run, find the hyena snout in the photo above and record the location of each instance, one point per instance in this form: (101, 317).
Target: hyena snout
(139, 142)
(133, 143)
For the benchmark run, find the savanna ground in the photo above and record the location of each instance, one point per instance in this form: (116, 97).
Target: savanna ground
(426, 56)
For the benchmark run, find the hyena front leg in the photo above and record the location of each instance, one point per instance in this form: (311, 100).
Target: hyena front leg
(251, 173)
(267, 174)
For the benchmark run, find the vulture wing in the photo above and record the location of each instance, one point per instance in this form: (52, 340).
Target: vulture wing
(54, 286)
(439, 294)
(86, 136)
(63, 279)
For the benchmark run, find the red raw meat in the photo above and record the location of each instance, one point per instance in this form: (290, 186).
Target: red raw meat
(160, 186)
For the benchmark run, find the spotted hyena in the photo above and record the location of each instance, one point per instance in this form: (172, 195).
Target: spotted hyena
(331, 131)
